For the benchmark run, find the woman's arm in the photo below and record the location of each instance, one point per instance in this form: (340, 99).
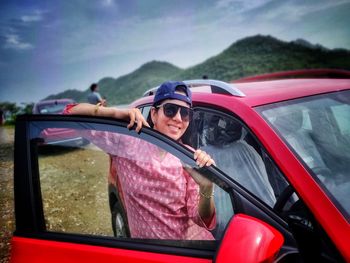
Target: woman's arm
(206, 205)
(134, 115)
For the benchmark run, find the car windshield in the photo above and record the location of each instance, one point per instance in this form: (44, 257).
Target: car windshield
(317, 129)
(53, 108)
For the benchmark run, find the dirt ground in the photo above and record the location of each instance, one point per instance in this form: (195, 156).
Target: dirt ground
(6, 192)
(74, 191)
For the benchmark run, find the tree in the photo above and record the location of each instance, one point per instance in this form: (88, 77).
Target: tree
(9, 110)
(27, 108)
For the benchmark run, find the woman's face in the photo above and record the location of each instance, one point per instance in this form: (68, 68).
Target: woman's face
(173, 127)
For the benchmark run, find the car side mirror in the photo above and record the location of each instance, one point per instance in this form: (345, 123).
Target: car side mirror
(248, 239)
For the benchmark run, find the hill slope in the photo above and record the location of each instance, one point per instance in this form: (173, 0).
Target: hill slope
(249, 56)
(265, 54)
(128, 87)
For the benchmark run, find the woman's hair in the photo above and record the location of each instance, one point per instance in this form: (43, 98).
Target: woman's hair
(149, 118)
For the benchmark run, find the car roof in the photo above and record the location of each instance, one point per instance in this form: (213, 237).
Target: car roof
(259, 93)
(266, 92)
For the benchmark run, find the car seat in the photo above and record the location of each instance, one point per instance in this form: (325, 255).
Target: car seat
(290, 125)
(223, 141)
(237, 158)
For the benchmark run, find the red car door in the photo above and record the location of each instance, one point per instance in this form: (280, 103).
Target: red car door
(63, 213)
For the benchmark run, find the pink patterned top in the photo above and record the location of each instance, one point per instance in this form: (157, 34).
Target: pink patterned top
(160, 197)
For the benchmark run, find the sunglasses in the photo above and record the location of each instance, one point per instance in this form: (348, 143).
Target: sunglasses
(170, 110)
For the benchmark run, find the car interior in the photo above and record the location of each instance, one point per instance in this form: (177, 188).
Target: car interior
(234, 149)
(300, 138)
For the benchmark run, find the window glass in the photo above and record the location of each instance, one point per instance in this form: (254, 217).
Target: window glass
(306, 120)
(324, 147)
(145, 111)
(236, 153)
(53, 108)
(341, 114)
(73, 186)
(101, 180)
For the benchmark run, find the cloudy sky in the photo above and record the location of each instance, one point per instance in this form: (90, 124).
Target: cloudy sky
(47, 47)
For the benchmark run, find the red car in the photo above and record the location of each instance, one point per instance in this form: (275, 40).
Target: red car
(51, 106)
(281, 145)
(57, 136)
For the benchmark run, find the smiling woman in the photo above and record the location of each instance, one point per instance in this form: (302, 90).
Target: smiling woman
(170, 114)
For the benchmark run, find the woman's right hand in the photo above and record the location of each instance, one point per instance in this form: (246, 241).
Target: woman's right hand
(132, 115)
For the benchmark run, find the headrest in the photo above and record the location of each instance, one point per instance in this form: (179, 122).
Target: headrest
(289, 122)
(222, 131)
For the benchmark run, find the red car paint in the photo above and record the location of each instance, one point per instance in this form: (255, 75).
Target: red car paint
(262, 241)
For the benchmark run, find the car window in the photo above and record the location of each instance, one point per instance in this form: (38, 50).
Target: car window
(102, 181)
(145, 111)
(324, 146)
(341, 114)
(53, 107)
(237, 153)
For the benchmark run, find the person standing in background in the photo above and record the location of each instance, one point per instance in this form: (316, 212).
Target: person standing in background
(94, 97)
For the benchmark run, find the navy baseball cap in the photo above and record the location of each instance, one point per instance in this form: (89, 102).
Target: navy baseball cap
(168, 90)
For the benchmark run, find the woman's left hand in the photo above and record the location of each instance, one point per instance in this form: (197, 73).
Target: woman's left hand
(202, 158)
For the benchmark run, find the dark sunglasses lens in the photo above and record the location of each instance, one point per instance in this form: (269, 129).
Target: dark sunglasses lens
(185, 113)
(170, 110)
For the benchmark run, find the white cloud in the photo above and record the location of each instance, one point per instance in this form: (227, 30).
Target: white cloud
(36, 16)
(293, 11)
(31, 18)
(12, 41)
(108, 3)
(240, 5)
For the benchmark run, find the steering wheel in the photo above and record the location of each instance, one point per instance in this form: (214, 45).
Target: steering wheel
(288, 191)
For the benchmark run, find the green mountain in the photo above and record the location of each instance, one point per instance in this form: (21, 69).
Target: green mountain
(77, 95)
(128, 87)
(265, 54)
(246, 57)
